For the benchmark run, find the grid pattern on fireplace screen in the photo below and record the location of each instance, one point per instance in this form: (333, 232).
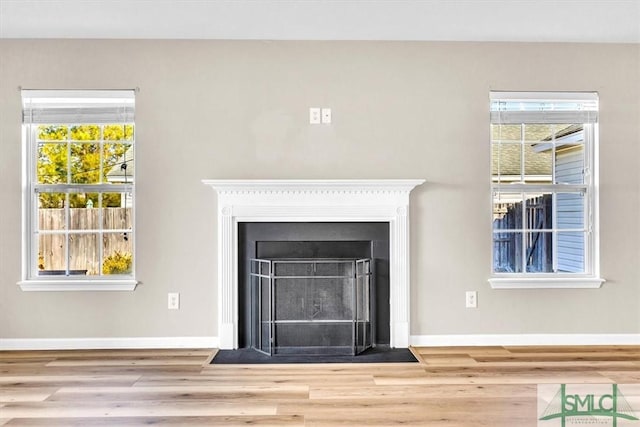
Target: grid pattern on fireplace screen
(311, 306)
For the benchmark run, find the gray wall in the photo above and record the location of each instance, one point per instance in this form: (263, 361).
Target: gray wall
(223, 109)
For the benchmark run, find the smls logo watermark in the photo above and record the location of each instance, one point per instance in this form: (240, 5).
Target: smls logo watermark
(588, 404)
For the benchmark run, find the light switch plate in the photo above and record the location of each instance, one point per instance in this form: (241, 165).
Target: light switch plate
(314, 115)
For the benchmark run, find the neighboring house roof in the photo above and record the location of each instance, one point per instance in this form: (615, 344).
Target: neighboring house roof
(506, 161)
(506, 156)
(118, 173)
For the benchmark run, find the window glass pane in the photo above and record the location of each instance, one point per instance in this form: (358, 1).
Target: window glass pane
(53, 132)
(115, 215)
(90, 200)
(52, 254)
(570, 210)
(118, 163)
(78, 200)
(118, 250)
(570, 164)
(52, 164)
(507, 211)
(507, 252)
(51, 212)
(84, 254)
(506, 162)
(84, 219)
(571, 250)
(564, 133)
(118, 132)
(112, 200)
(544, 132)
(85, 163)
(539, 251)
(85, 133)
(539, 211)
(538, 163)
(506, 133)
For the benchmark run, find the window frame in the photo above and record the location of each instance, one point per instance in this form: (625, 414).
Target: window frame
(590, 277)
(31, 280)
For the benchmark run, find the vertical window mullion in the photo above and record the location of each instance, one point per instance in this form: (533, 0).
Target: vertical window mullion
(524, 227)
(33, 206)
(100, 210)
(554, 205)
(67, 207)
(554, 231)
(67, 235)
(522, 151)
(100, 233)
(588, 196)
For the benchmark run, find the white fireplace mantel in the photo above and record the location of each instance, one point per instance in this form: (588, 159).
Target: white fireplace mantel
(350, 200)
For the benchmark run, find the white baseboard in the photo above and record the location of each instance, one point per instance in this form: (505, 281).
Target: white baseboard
(523, 339)
(414, 340)
(106, 343)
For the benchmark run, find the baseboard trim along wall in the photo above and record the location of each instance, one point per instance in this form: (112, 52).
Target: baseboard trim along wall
(106, 343)
(523, 340)
(414, 340)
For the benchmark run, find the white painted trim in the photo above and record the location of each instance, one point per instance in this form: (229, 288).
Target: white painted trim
(414, 340)
(106, 343)
(270, 186)
(78, 285)
(499, 95)
(546, 283)
(523, 340)
(331, 200)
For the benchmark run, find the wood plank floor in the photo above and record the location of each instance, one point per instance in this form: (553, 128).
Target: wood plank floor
(451, 386)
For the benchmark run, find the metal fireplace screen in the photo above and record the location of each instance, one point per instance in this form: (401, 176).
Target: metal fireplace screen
(313, 306)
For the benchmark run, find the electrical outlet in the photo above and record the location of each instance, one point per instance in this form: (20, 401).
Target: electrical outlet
(472, 299)
(173, 301)
(326, 115)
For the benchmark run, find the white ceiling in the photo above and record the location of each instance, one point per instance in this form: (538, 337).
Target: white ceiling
(609, 21)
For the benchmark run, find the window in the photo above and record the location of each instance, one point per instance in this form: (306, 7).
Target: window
(78, 201)
(544, 189)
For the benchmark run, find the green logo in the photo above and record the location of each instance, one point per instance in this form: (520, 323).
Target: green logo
(582, 407)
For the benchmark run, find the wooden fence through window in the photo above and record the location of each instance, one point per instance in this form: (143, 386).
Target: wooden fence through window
(507, 242)
(84, 249)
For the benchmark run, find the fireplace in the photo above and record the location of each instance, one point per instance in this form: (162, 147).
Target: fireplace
(312, 201)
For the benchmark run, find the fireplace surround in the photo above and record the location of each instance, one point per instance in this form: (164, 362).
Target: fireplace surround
(384, 200)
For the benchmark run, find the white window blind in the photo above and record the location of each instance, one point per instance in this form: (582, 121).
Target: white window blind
(69, 107)
(544, 107)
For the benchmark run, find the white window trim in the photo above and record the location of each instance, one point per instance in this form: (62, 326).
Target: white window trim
(78, 285)
(48, 284)
(592, 280)
(554, 282)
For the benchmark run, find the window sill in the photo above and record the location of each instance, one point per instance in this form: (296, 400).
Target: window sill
(546, 282)
(78, 285)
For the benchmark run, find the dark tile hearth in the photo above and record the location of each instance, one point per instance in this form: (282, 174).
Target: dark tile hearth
(379, 354)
